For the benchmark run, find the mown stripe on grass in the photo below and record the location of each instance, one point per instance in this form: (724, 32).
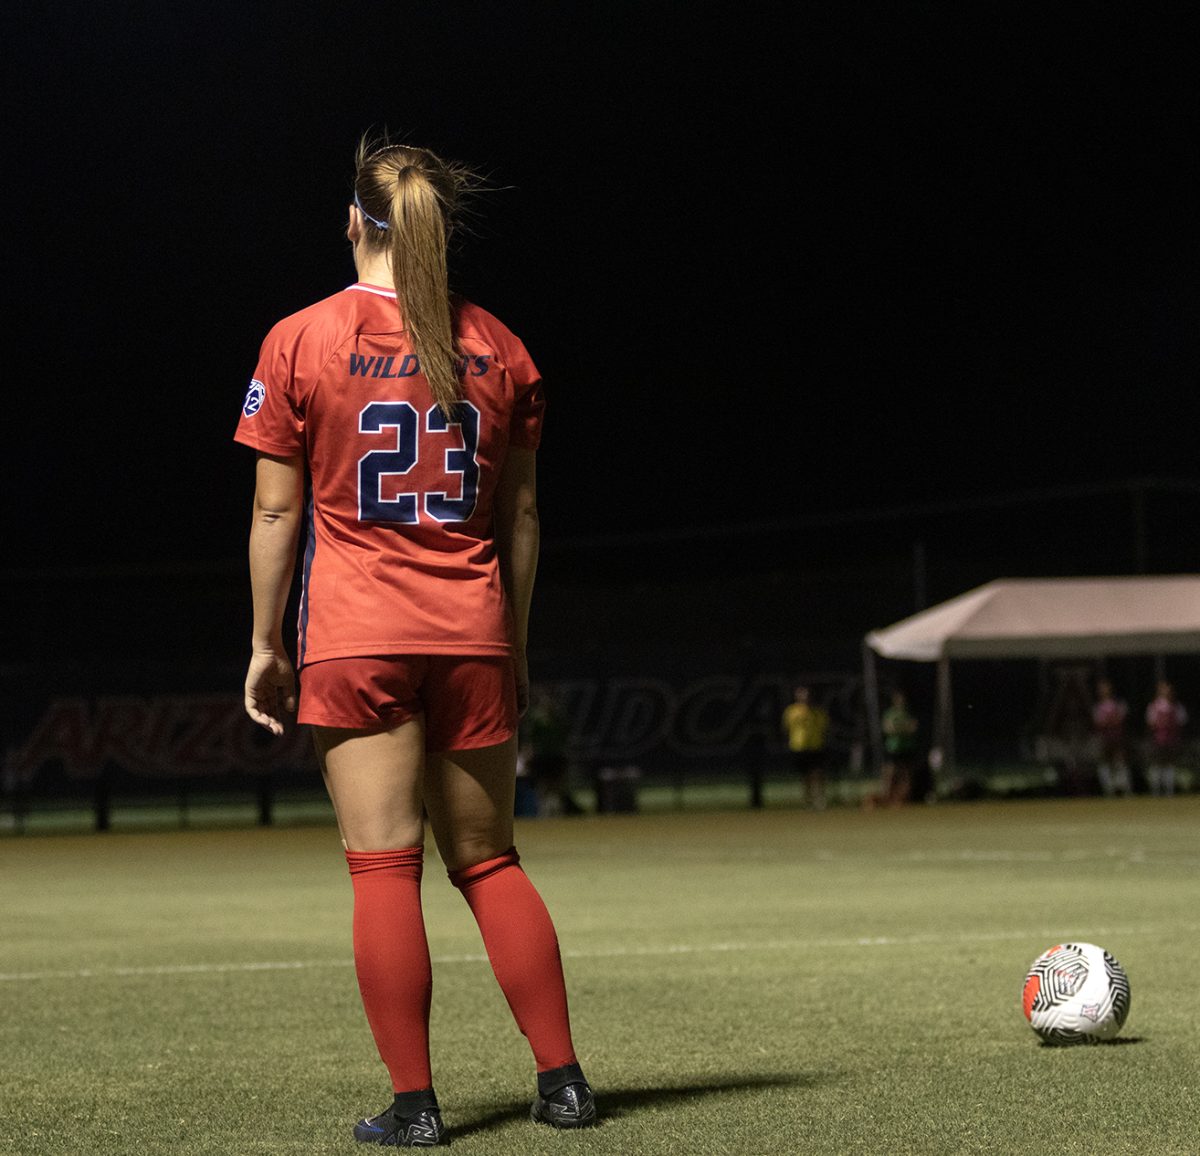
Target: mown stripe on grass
(617, 952)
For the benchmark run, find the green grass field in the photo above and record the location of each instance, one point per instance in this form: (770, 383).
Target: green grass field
(779, 982)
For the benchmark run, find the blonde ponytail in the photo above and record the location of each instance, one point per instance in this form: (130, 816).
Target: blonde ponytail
(417, 238)
(409, 198)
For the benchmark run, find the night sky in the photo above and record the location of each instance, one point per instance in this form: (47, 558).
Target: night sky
(885, 254)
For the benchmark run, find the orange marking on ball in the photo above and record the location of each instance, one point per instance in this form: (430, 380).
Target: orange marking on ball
(1032, 986)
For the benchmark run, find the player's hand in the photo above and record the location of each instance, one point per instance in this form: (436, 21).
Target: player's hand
(270, 689)
(521, 667)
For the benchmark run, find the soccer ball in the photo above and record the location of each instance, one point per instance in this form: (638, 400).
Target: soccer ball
(1076, 993)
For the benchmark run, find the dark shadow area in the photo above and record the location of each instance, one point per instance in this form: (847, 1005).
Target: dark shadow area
(1119, 1042)
(613, 1103)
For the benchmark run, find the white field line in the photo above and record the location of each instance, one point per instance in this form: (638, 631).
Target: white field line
(732, 946)
(1137, 855)
(1067, 855)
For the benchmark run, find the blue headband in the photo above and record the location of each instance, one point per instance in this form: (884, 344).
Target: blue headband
(378, 224)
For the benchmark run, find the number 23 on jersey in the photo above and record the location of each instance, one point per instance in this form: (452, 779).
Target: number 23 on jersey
(407, 507)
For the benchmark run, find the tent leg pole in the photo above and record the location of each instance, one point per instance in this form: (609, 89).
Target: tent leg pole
(945, 696)
(871, 700)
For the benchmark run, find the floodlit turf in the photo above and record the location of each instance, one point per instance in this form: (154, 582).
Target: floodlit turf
(781, 982)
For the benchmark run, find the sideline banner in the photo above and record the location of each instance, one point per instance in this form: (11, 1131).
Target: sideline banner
(183, 736)
(707, 724)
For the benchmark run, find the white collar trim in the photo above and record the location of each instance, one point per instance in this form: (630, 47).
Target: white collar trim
(372, 289)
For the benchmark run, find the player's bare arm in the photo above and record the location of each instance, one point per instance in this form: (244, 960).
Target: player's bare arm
(274, 532)
(518, 536)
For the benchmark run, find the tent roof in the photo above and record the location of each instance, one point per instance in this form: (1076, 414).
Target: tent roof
(1053, 618)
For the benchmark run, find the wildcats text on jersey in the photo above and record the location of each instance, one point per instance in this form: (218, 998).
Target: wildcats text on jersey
(406, 366)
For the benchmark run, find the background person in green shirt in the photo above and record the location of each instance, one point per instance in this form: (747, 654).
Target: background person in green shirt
(900, 746)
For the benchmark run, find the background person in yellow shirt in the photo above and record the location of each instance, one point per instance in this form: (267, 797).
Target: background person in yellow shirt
(806, 727)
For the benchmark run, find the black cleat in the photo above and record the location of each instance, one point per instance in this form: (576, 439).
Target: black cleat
(423, 1129)
(571, 1106)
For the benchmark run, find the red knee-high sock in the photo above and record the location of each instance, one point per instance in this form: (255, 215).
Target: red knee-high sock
(391, 956)
(523, 950)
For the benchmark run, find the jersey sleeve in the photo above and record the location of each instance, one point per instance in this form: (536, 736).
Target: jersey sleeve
(525, 429)
(271, 420)
(522, 376)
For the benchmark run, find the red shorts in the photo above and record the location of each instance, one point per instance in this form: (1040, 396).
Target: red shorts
(468, 701)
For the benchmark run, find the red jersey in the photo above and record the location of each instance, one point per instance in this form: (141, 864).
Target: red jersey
(400, 556)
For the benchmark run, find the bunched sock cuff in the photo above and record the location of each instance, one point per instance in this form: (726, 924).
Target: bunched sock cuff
(362, 861)
(468, 876)
(550, 1081)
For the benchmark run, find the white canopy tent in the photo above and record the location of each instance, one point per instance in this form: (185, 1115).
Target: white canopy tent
(1037, 618)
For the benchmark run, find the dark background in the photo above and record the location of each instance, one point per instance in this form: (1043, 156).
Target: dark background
(842, 310)
(882, 254)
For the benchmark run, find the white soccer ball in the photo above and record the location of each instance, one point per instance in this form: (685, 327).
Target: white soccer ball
(1076, 993)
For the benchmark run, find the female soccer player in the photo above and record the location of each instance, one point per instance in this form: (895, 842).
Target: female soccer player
(417, 415)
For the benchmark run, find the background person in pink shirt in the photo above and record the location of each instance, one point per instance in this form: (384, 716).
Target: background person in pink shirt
(1166, 719)
(1108, 721)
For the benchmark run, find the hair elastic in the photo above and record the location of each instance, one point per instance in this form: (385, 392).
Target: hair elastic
(374, 221)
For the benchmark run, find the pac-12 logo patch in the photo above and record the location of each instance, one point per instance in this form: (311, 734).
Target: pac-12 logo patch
(254, 397)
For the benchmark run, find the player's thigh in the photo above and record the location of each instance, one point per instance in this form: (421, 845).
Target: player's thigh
(375, 782)
(469, 796)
